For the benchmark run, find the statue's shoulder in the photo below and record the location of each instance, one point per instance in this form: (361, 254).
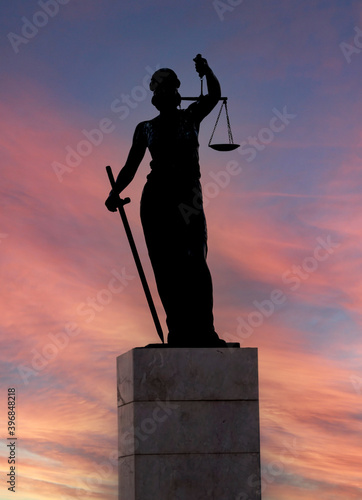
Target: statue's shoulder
(147, 129)
(147, 124)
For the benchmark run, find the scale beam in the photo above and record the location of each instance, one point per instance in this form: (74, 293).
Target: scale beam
(196, 98)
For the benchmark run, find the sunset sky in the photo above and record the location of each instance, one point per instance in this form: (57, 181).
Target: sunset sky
(284, 215)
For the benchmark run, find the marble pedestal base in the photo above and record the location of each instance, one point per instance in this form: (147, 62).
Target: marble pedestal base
(188, 424)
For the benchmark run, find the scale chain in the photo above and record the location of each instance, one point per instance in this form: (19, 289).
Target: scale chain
(217, 120)
(231, 140)
(230, 135)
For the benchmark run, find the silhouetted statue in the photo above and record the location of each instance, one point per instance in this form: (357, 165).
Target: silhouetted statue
(176, 240)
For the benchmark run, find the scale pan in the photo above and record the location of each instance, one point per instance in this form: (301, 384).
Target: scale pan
(224, 147)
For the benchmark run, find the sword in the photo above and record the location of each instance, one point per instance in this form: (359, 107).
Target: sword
(132, 244)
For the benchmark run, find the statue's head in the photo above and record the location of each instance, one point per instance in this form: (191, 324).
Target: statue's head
(164, 78)
(164, 84)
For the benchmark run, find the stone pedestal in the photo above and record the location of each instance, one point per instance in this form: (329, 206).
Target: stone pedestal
(188, 424)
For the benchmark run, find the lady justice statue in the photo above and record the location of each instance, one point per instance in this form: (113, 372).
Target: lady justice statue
(177, 245)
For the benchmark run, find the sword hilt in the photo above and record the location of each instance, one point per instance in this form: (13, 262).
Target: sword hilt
(123, 201)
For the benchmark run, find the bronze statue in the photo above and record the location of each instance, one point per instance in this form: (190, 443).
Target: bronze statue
(177, 245)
